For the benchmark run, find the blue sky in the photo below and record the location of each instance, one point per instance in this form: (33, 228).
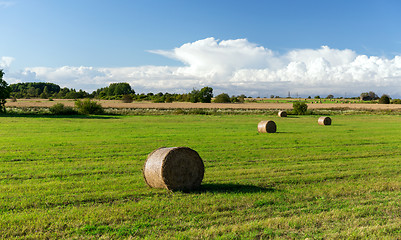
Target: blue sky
(172, 45)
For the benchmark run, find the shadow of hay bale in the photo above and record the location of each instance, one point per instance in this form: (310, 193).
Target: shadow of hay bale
(232, 188)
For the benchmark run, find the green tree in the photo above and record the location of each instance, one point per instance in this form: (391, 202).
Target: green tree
(31, 92)
(384, 99)
(168, 98)
(299, 108)
(396, 101)
(194, 96)
(234, 99)
(34, 89)
(117, 89)
(45, 93)
(206, 94)
(369, 96)
(222, 98)
(238, 99)
(4, 92)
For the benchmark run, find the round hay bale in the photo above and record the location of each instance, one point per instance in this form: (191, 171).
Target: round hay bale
(174, 168)
(267, 127)
(324, 121)
(282, 114)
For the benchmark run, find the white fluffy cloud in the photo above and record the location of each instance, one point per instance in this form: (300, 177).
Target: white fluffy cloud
(5, 62)
(236, 67)
(209, 58)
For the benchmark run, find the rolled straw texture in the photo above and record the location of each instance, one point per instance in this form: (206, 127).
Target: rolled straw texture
(282, 114)
(324, 121)
(267, 127)
(174, 168)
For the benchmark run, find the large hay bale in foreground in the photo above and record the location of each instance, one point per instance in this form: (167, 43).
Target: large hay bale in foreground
(267, 127)
(174, 168)
(282, 114)
(324, 121)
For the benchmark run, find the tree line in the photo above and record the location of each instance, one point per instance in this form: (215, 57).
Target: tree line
(115, 91)
(124, 91)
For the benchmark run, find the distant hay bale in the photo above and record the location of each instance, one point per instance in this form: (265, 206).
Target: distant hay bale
(324, 121)
(267, 127)
(174, 168)
(282, 114)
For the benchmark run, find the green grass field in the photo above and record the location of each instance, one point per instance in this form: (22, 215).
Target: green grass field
(81, 178)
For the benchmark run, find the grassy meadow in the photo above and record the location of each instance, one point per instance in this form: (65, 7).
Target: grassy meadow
(81, 178)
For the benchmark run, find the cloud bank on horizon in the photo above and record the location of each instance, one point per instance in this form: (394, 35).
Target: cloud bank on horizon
(236, 67)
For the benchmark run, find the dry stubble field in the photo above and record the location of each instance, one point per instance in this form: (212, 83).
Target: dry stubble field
(20, 103)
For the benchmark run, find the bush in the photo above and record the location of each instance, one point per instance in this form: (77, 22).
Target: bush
(60, 109)
(222, 98)
(88, 107)
(299, 108)
(384, 99)
(396, 101)
(127, 98)
(237, 99)
(234, 99)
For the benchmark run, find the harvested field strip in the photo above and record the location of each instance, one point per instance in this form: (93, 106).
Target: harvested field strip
(116, 104)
